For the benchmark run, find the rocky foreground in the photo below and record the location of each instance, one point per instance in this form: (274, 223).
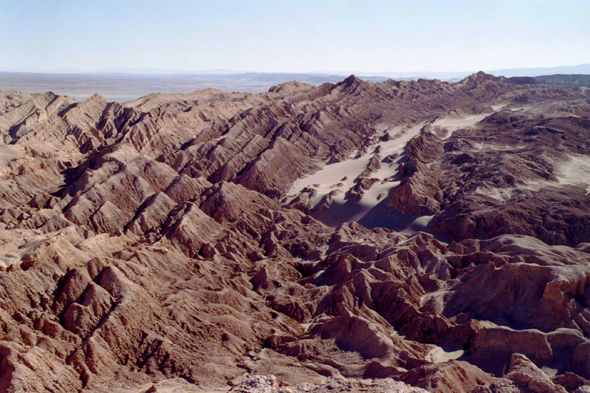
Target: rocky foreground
(387, 237)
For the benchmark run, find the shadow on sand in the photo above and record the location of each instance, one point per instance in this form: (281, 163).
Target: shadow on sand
(379, 215)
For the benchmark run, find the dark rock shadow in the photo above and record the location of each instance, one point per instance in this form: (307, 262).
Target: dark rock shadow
(386, 217)
(339, 213)
(380, 216)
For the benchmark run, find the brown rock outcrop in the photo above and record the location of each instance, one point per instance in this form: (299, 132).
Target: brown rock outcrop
(449, 377)
(522, 376)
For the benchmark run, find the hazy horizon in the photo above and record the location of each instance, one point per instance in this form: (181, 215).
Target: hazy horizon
(535, 71)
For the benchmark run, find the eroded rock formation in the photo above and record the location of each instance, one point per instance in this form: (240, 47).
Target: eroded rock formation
(157, 244)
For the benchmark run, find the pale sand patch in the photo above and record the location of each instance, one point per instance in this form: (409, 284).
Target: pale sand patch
(481, 147)
(454, 123)
(330, 177)
(439, 355)
(340, 176)
(18, 243)
(551, 372)
(497, 107)
(437, 296)
(420, 224)
(575, 171)
(501, 194)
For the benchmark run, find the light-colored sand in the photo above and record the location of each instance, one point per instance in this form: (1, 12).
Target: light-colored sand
(501, 194)
(340, 176)
(420, 224)
(575, 171)
(17, 244)
(454, 123)
(330, 177)
(497, 107)
(435, 296)
(439, 355)
(551, 372)
(481, 147)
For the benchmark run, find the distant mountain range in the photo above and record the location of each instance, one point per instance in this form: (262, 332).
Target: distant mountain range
(510, 72)
(507, 72)
(320, 77)
(124, 84)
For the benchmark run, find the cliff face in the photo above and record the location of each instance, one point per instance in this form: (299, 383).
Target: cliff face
(172, 241)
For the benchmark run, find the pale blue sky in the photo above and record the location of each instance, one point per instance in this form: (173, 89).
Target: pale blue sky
(293, 36)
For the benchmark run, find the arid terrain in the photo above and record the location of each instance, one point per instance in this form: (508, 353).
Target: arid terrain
(357, 236)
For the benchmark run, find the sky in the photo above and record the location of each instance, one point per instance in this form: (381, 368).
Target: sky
(292, 36)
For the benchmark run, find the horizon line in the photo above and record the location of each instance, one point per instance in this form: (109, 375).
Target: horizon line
(222, 71)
